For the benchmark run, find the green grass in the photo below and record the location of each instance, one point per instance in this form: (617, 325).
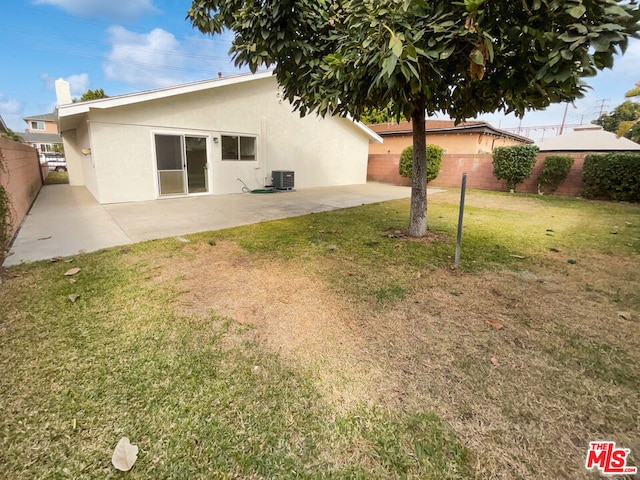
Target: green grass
(56, 178)
(199, 397)
(203, 399)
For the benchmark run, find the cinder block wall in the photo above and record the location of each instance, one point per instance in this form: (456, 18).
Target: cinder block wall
(479, 169)
(21, 178)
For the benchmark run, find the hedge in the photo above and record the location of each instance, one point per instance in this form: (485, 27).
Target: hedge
(434, 161)
(514, 163)
(554, 172)
(614, 176)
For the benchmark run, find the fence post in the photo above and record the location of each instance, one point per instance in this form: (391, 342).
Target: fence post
(460, 215)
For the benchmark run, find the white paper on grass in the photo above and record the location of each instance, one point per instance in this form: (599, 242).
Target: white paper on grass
(124, 455)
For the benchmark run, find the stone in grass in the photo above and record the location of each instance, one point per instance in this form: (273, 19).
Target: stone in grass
(572, 261)
(554, 249)
(73, 297)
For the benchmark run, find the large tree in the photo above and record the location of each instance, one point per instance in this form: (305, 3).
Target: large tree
(421, 57)
(631, 128)
(621, 120)
(96, 94)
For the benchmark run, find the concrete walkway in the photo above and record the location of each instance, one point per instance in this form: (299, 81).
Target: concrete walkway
(67, 220)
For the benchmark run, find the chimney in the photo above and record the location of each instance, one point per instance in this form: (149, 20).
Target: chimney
(63, 92)
(219, 74)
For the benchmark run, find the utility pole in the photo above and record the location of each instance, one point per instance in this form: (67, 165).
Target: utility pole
(564, 118)
(602, 102)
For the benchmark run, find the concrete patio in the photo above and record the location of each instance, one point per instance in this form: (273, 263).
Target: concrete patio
(66, 220)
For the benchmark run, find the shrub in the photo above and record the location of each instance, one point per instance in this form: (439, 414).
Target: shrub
(514, 164)
(555, 170)
(5, 213)
(614, 176)
(434, 160)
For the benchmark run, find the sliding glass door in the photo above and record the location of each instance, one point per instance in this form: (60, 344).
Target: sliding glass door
(182, 164)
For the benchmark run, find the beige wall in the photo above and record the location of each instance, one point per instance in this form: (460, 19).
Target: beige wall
(22, 179)
(322, 152)
(49, 127)
(453, 143)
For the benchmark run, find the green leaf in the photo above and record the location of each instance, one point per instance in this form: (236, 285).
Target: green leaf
(390, 65)
(395, 44)
(577, 11)
(477, 57)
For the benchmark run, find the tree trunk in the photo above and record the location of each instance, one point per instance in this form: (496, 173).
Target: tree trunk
(418, 214)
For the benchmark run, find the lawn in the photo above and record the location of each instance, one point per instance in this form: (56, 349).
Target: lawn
(331, 345)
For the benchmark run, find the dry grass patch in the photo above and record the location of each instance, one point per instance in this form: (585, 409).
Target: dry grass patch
(526, 366)
(290, 309)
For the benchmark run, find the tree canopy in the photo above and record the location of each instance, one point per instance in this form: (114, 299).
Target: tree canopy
(622, 120)
(11, 135)
(461, 58)
(93, 95)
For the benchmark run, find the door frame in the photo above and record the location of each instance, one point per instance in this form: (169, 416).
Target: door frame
(208, 170)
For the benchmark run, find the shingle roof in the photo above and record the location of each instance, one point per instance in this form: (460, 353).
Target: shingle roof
(40, 137)
(446, 126)
(48, 117)
(588, 138)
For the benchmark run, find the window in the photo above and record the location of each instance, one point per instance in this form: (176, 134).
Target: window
(235, 147)
(45, 147)
(37, 125)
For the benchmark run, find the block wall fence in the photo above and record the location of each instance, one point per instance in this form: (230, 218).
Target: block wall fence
(22, 178)
(479, 168)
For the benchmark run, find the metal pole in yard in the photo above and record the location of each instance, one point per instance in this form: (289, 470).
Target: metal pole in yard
(460, 215)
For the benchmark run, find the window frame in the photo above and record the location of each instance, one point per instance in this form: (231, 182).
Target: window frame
(37, 124)
(240, 138)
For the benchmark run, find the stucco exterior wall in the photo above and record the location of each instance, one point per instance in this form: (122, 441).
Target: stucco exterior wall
(21, 178)
(321, 152)
(452, 143)
(49, 127)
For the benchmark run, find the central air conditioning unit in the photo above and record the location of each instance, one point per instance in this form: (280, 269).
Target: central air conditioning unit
(282, 179)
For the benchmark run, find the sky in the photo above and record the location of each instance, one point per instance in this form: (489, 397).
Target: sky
(124, 46)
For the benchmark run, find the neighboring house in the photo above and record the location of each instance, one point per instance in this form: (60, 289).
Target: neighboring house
(206, 138)
(588, 138)
(42, 133)
(465, 138)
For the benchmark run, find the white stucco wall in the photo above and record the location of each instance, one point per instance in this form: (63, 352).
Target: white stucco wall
(80, 166)
(322, 152)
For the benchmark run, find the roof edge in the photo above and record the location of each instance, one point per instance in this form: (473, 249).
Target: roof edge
(72, 109)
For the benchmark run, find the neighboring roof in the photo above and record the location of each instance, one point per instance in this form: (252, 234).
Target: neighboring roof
(33, 137)
(3, 126)
(588, 138)
(446, 126)
(47, 117)
(73, 109)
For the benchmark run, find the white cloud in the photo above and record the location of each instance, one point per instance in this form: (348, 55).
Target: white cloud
(159, 59)
(79, 83)
(116, 10)
(11, 111)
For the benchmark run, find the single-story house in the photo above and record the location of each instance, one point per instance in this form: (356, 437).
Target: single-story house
(206, 138)
(473, 137)
(588, 138)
